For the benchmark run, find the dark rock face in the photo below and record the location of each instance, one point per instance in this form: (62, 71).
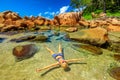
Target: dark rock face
(115, 73)
(93, 49)
(24, 51)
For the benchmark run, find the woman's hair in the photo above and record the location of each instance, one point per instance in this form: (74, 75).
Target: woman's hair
(64, 65)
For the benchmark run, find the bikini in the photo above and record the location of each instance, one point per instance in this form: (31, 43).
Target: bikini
(59, 54)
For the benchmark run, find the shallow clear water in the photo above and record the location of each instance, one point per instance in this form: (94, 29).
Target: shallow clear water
(95, 69)
(1, 40)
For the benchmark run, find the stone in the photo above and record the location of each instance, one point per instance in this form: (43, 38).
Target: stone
(30, 24)
(84, 23)
(102, 14)
(11, 15)
(70, 18)
(23, 38)
(114, 41)
(22, 52)
(9, 28)
(8, 22)
(56, 33)
(113, 28)
(71, 29)
(2, 25)
(40, 38)
(94, 15)
(117, 57)
(93, 24)
(93, 49)
(47, 22)
(115, 22)
(2, 18)
(45, 28)
(39, 22)
(95, 36)
(35, 38)
(115, 73)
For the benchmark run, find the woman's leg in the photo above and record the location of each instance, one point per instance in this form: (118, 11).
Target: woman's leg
(51, 52)
(60, 48)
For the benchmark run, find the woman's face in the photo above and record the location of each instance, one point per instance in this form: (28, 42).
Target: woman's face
(63, 64)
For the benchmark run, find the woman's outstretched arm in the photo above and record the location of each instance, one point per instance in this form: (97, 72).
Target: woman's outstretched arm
(74, 60)
(47, 67)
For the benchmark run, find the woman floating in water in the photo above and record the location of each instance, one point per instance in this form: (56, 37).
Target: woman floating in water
(60, 58)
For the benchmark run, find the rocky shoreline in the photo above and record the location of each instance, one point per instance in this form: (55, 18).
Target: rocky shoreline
(99, 31)
(11, 21)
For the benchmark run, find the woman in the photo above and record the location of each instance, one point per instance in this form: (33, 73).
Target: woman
(60, 58)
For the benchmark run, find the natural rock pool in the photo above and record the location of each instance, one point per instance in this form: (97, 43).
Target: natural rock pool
(93, 67)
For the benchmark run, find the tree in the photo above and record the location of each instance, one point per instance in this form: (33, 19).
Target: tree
(96, 5)
(104, 6)
(77, 4)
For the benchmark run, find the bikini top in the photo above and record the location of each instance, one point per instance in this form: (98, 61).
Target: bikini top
(59, 54)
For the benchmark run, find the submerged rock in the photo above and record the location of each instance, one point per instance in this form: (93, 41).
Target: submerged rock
(115, 73)
(10, 33)
(117, 57)
(24, 51)
(22, 39)
(93, 49)
(64, 37)
(71, 29)
(40, 38)
(56, 33)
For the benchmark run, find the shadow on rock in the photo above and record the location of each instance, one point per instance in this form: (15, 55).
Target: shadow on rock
(93, 49)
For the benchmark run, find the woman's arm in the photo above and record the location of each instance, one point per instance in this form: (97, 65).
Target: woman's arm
(74, 60)
(52, 65)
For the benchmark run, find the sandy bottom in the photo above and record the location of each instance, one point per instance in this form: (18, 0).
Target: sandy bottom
(96, 67)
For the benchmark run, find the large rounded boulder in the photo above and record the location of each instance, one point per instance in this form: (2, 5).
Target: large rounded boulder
(24, 51)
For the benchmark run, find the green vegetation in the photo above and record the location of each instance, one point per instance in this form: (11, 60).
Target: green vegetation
(79, 3)
(117, 14)
(89, 17)
(110, 7)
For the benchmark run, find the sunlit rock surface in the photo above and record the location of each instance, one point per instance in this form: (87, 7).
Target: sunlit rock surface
(95, 36)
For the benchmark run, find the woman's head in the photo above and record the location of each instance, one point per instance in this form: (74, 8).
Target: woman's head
(63, 64)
